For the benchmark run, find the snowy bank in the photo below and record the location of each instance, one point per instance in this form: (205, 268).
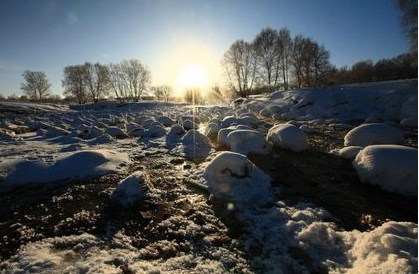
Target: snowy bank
(74, 165)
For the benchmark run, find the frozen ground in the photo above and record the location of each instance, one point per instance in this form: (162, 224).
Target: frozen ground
(147, 188)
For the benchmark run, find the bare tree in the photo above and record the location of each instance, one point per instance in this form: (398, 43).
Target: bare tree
(162, 92)
(97, 80)
(118, 82)
(298, 58)
(239, 63)
(193, 96)
(267, 56)
(310, 62)
(36, 85)
(409, 20)
(284, 48)
(74, 82)
(136, 77)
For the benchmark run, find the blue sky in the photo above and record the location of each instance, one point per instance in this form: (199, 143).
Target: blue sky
(165, 35)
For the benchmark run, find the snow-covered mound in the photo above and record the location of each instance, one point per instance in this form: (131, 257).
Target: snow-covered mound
(212, 129)
(287, 136)
(392, 167)
(374, 134)
(379, 101)
(132, 189)
(222, 135)
(74, 165)
(194, 145)
(231, 177)
(247, 141)
(350, 152)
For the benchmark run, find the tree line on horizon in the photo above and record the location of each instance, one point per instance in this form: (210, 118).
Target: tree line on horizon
(276, 60)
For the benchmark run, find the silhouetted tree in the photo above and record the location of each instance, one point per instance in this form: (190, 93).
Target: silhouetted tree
(35, 85)
(118, 82)
(97, 80)
(297, 58)
(193, 96)
(284, 48)
(136, 78)
(362, 71)
(74, 83)
(239, 63)
(409, 20)
(162, 92)
(265, 44)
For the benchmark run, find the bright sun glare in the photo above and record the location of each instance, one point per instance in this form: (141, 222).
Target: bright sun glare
(192, 76)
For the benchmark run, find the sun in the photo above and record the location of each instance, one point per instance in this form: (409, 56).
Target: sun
(192, 76)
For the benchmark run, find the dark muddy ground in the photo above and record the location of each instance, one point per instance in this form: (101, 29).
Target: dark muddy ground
(35, 212)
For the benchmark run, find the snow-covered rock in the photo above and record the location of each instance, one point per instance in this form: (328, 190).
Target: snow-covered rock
(116, 132)
(195, 145)
(189, 124)
(392, 167)
(307, 129)
(75, 165)
(409, 122)
(222, 135)
(103, 139)
(228, 121)
(232, 178)
(131, 126)
(247, 141)
(287, 136)
(55, 132)
(211, 130)
(374, 134)
(132, 189)
(165, 121)
(349, 152)
(154, 131)
(176, 130)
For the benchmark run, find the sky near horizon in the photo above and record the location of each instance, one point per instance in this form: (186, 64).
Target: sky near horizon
(167, 35)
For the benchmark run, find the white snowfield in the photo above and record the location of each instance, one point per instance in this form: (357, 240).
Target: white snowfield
(391, 167)
(92, 140)
(374, 134)
(72, 165)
